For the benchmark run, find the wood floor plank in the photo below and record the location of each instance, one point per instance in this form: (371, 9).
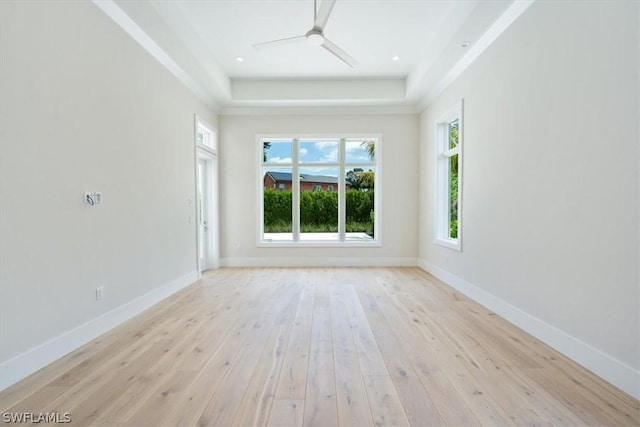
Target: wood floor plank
(144, 386)
(351, 395)
(514, 354)
(585, 406)
(153, 410)
(463, 367)
(223, 405)
(100, 374)
(369, 356)
(151, 331)
(81, 364)
(385, 404)
(607, 395)
(396, 341)
(33, 383)
(286, 413)
(322, 347)
(227, 401)
(92, 406)
(89, 366)
(416, 402)
(487, 399)
(320, 405)
(256, 404)
(456, 358)
(190, 406)
(292, 383)
(518, 385)
(419, 410)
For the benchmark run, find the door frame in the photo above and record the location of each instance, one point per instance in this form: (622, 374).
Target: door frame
(208, 154)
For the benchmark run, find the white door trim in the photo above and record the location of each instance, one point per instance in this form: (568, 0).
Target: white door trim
(208, 154)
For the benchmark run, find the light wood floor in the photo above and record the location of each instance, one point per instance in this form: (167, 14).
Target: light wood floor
(347, 346)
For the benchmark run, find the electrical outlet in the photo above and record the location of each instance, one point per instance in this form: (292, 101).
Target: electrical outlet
(99, 293)
(98, 197)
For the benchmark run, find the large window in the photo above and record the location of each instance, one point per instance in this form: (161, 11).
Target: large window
(319, 190)
(449, 138)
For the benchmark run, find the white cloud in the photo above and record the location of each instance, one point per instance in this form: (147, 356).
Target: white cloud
(357, 153)
(322, 145)
(329, 150)
(303, 152)
(280, 160)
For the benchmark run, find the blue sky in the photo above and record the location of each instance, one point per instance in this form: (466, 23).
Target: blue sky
(317, 151)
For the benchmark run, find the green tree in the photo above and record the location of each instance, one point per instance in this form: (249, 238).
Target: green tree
(453, 181)
(352, 178)
(370, 147)
(265, 148)
(367, 179)
(359, 179)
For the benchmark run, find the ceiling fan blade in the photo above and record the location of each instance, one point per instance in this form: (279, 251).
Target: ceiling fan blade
(279, 42)
(339, 53)
(323, 14)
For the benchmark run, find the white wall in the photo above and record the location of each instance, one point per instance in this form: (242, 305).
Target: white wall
(239, 177)
(550, 220)
(83, 107)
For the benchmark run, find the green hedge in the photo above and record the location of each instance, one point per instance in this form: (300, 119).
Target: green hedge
(360, 206)
(317, 208)
(277, 209)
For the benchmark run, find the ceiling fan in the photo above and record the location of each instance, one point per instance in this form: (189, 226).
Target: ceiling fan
(315, 36)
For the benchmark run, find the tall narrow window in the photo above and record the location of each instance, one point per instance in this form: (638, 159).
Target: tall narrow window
(449, 139)
(326, 190)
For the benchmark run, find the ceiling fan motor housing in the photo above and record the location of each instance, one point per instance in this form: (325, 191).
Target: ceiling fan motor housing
(315, 37)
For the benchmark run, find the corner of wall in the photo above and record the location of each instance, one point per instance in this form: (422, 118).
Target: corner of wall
(23, 365)
(617, 373)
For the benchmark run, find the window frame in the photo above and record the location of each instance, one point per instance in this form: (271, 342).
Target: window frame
(296, 165)
(442, 193)
(210, 131)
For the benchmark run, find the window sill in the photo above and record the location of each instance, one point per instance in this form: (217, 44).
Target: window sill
(450, 243)
(317, 244)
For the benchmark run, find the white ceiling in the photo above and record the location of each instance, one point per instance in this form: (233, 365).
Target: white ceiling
(200, 42)
(371, 31)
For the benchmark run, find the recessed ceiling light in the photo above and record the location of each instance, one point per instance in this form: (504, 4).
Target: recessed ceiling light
(395, 58)
(465, 43)
(239, 59)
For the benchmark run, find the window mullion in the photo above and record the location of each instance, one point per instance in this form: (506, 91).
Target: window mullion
(295, 190)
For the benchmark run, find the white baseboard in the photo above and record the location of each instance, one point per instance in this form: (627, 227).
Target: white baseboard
(22, 365)
(616, 372)
(320, 262)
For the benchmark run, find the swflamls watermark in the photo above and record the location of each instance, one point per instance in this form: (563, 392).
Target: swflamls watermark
(36, 417)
